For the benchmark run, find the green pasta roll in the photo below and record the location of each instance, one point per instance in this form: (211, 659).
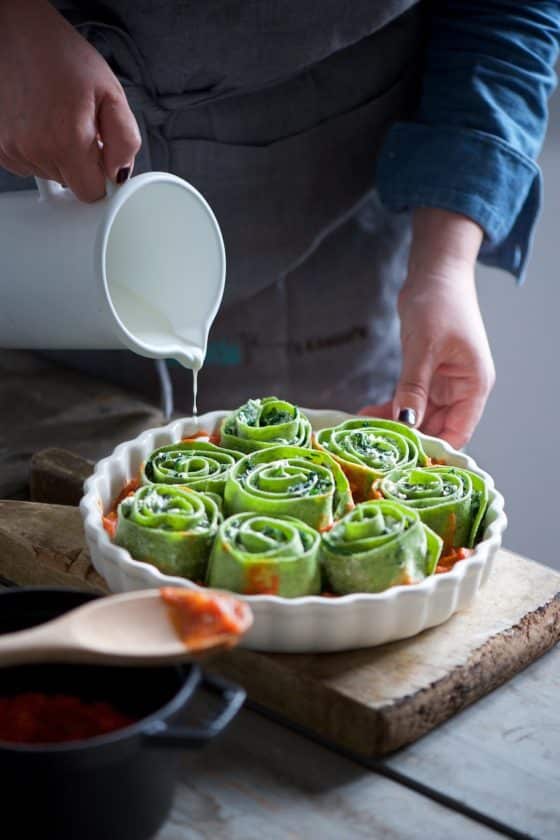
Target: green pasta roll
(265, 422)
(378, 545)
(451, 500)
(266, 555)
(196, 464)
(367, 449)
(289, 481)
(171, 527)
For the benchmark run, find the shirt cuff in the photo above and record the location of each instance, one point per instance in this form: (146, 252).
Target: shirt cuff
(468, 172)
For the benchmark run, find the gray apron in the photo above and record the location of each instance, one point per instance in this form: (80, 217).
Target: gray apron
(275, 112)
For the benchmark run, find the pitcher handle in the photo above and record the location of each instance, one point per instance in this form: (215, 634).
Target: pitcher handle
(50, 189)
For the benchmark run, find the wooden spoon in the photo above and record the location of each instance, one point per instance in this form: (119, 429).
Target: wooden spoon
(135, 628)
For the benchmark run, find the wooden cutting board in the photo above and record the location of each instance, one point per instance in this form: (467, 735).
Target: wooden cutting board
(369, 701)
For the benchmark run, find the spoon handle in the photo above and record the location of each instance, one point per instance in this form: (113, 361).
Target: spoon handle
(39, 644)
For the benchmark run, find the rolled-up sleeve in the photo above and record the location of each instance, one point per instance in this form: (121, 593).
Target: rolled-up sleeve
(473, 144)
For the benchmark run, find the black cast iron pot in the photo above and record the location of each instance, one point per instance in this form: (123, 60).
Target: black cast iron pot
(114, 787)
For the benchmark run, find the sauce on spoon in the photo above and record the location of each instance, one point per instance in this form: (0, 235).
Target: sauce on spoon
(199, 617)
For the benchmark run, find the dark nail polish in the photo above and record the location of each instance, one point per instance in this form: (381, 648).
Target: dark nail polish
(122, 174)
(408, 416)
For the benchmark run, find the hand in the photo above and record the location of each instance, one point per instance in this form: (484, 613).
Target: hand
(447, 372)
(58, 98)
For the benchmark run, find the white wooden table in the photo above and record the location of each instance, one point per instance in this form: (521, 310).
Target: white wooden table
(493, 770)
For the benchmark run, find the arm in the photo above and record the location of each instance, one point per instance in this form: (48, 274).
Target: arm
(447, 371)
(58, 97)
(466, 167)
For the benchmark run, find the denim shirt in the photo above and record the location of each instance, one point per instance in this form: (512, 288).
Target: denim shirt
(480, 123)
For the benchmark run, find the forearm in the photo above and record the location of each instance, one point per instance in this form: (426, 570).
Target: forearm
(447, 370)
(441, 240)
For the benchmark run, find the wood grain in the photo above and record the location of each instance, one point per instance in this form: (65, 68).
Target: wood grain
(370, 702)
(57, 476)
(500, 755)
(44, 545)
(260, 781)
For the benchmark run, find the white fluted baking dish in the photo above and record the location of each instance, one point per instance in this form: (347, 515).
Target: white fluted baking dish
(311, 624)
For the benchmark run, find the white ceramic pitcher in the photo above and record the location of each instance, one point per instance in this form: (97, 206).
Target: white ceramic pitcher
(143, 268)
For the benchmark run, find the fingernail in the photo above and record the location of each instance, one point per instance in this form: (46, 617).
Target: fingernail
(408, 416)
(122, 174)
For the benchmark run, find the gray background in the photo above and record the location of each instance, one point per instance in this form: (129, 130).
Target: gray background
(518, 439)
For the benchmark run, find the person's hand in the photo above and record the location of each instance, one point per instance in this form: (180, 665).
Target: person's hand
(58, 99)
(447, 372)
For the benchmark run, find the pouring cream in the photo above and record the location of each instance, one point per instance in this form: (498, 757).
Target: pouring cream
(155, 330)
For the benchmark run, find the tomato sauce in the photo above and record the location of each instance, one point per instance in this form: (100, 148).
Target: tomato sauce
(110, 523)
(110, 518)
(129, 488)
(450, 557)
(200, 616)
(211, 438)
(38, 718)
(261, 580)
(449, 535)
(436, 462)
